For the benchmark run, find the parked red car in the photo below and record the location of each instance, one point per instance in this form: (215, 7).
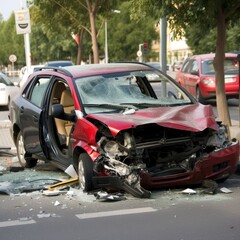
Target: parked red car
(197, 75)
(119, 130)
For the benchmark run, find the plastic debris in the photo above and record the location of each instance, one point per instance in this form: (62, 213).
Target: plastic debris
(225, 190)
(189, 191)
(109, 197)
(57, 203)
(71, 172)
(51, 193)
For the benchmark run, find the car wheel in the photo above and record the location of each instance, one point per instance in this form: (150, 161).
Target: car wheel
(199, 96)
(27, 163)
(85, 172)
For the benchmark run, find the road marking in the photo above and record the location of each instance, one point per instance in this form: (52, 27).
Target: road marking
(115, 213)
(16, 223)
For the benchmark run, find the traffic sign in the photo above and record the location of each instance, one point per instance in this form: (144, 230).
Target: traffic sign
(139, 53)
(12, 58)
(22, 19)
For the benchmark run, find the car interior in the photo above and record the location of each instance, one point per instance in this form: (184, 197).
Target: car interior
(62, 95)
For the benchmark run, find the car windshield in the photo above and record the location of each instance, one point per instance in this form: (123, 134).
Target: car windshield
(121, 91)
(230, 66)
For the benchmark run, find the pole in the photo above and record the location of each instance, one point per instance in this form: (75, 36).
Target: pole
(27, 44)
(27, 50)
(163, 44)
(106, 43)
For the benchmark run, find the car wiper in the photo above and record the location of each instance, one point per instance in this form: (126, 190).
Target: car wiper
(109, 106)
(143, 105)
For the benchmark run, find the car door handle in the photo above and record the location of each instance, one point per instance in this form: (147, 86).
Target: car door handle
(35, 119)
(22, 109)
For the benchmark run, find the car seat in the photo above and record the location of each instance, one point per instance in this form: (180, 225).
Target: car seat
(64, 126)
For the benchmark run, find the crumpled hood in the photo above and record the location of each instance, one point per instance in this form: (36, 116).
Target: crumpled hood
(195, 118)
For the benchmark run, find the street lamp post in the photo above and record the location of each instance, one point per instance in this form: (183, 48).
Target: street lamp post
(106, 42)
(163, 44)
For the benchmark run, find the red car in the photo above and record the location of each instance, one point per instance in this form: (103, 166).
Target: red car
(118, 130)
(197, 75)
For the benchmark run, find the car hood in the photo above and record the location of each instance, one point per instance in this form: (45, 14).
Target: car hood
(195, 117)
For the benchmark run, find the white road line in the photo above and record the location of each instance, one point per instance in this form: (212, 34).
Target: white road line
(115, 213)
(16, 223)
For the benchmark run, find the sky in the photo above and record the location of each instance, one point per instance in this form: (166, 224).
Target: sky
(8, 6)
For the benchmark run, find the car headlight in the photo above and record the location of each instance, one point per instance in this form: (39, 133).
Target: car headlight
(208, 81)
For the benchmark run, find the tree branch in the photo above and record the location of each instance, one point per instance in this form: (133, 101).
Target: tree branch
(69, 13)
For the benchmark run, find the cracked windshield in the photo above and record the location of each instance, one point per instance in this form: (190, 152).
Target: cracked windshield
(116, 92)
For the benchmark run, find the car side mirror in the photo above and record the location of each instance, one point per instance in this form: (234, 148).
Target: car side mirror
(58, 111)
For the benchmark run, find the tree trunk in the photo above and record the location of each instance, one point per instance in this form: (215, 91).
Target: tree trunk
(80, 46)
(94, 37)
(222, 106)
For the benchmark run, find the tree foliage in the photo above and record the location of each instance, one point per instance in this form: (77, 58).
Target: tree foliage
(75, 16)
(181, 14)
(11, 43)
(125, 35)
(205, 43)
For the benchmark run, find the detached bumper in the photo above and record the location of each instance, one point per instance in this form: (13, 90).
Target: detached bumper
(107, 182)
(217, 165)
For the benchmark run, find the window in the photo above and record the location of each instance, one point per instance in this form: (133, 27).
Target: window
(186, 66)
(194, 66)
(207, 67)
(38, 91)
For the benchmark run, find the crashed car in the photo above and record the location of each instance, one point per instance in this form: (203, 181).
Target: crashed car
(119, 130)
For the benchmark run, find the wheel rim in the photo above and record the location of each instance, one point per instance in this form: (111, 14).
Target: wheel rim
(81, 176)
(21, 151)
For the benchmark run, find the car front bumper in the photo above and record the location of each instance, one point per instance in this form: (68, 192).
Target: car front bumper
(215, 166)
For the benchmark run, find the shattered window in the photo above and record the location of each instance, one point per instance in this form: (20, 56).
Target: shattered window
(112, 92)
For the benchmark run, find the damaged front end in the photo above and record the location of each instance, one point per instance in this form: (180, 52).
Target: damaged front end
(152, 156)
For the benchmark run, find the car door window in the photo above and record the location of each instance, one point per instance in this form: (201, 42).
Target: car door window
(38, 90)
(194, 68)
(186, 66)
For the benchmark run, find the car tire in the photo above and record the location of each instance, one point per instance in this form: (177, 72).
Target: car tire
(199, 96)
(26, 163)
(85, 172)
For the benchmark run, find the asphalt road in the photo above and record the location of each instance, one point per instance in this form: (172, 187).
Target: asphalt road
(168, 215)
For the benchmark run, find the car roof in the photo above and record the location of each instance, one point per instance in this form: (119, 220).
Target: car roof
(212, 55)
(61, 63)
(76, 71)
